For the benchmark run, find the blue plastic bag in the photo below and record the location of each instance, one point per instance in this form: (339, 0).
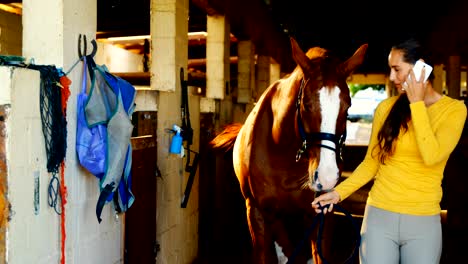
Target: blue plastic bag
(91, 142)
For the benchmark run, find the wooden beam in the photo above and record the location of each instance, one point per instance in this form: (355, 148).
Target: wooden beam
(368, 79)
(252, 20)
(212, 8)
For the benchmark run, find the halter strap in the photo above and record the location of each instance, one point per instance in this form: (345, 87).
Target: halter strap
(308, 138)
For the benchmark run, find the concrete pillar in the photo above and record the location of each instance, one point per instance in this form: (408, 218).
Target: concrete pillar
(463, 84)
(176, 227)
(217, 57)
(439, 78)
(169, 48)
(50, 35)
(218, 69)
(453, 76)
(245, 71)
(24, 155)
(263, 75)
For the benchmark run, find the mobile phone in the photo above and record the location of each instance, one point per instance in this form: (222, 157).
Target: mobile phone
(417, 68)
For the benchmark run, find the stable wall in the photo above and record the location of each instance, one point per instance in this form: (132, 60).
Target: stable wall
(34, 234)
(30, 229)
(36, 238)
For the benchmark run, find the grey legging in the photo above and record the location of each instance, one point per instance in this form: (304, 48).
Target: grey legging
(392, 238)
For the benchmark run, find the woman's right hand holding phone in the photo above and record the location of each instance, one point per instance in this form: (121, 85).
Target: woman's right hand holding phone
(416, 89)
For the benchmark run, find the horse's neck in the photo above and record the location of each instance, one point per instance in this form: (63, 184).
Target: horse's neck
(272, 121)
(285, 99)
(277, 110)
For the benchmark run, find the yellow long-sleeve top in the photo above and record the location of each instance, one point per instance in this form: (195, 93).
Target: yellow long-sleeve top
(410, 180)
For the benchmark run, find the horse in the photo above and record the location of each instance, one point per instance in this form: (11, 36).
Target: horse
(289, 148)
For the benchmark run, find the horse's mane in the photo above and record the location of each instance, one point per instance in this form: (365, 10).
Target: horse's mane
(316, 52)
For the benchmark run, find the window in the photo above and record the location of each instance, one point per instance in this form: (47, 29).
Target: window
(361, 113)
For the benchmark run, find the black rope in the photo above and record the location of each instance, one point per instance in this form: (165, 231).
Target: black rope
(320, 218)
(298, 248)
(187, 135)
(55, 198)
(187, 131)
(54, 124)
(146, 52)
(54, 127)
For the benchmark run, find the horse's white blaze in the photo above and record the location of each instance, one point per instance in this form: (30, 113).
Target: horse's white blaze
(327, 169)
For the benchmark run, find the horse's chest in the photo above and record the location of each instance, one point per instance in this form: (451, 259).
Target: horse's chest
(286, 201)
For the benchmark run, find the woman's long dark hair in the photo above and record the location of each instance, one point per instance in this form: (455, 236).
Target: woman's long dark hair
(400, 114)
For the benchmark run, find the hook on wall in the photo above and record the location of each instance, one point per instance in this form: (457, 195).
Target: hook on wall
(84, 52)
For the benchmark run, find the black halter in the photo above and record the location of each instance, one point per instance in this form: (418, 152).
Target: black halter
(308, 139)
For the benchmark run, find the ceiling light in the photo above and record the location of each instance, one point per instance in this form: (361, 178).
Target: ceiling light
(128, 38)
(14, 8)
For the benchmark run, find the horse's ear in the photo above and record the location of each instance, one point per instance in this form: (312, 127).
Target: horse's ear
(355, 61)
(298, 55)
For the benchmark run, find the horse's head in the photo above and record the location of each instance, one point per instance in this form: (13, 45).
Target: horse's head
(322, 106)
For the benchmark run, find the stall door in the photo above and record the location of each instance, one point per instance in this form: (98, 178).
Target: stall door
(140, 218)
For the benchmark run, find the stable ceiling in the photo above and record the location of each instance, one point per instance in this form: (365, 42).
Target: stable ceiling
(338, 25)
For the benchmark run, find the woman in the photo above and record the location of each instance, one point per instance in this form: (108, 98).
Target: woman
(413, 134)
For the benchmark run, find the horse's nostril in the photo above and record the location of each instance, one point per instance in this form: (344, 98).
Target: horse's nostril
(315, 175)
(319, 186)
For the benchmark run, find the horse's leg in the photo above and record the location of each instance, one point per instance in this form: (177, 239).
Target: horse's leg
(325, 241)
(283, 239)
(315, 256)
(262, 236)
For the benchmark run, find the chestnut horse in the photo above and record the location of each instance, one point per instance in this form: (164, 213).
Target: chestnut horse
(289, 148)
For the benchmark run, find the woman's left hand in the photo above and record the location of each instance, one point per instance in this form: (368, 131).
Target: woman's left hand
(326, 202)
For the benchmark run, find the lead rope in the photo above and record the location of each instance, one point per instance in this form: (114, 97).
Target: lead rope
(320, 217)
(187, 134)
